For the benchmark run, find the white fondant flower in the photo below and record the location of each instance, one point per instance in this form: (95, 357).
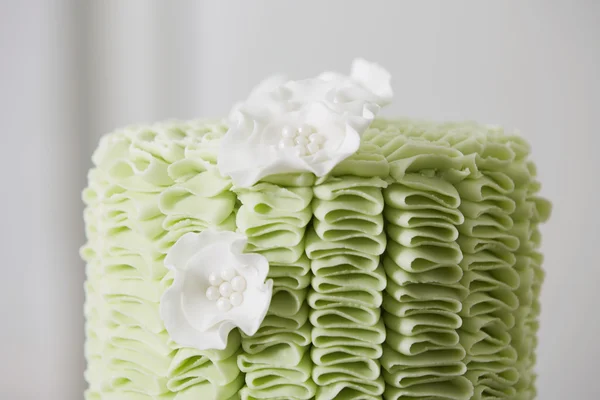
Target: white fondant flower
(216, 288)
(309, 125)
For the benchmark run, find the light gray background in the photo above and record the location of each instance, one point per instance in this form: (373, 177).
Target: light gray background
(70, 71)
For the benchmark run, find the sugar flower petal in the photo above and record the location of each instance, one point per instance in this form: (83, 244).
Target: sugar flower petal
(309, 125)
(202, 306)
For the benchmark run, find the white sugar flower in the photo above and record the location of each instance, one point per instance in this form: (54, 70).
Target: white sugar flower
(216, 288)
(309, 125)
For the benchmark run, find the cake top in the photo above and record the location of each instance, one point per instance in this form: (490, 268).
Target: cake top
(307, 125)
(295, 134)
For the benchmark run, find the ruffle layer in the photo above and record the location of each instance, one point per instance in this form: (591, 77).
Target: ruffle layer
(423, 356)
(149, 187)
(344, 246)
(276, 359)
(462, 228)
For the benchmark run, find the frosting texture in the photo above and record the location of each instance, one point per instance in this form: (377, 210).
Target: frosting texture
(463, 270)
(149, 187)
(276, 359)
(410, 269)
(344, 246)
(345, 301)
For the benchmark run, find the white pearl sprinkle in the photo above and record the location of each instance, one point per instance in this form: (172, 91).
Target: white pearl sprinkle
(316, 138)
(313, 148)
(288, 132)
(286, 143)
(305, 130)
(238, 283)
(212, 293)
(223, 304)
(301, 140)
(214, 279)
(228, 274)
(225, 289)
(236, 299)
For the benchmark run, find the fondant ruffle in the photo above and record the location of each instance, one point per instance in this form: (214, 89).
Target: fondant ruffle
(276, 359)
(344, 246)
(148, 188)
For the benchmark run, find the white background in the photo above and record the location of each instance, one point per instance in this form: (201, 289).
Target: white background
(70, 71)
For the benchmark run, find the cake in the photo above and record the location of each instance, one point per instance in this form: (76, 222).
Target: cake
(305, 248)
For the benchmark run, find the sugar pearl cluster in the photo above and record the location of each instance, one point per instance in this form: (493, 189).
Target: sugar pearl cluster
(305, 140)
(227, 289)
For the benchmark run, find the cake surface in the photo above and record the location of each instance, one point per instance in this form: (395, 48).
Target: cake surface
(410, 271)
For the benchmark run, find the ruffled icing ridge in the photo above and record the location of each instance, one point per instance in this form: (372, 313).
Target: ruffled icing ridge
(500, 238)
(344, 245)
(276, 359)
(470, 190)
(423, 356)
(149, 186)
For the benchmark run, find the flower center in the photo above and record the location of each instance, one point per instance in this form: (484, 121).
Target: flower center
(227, 289)
(304, 140)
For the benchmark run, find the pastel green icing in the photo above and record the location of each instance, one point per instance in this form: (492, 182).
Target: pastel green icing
(148, 187)
(367, 162)
(412, 271)
(344, 246)
(475, 181)
(274, 215)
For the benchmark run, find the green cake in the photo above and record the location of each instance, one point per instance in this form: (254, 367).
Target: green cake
(403, 266)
